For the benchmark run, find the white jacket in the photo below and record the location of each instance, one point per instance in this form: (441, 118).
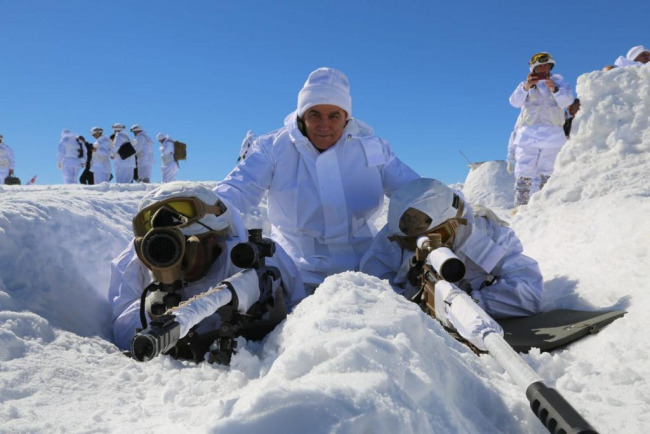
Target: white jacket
(128, 163)
(167, 152)
(69, 150)
(7, 161)
(542, 114)
(129, 278)
(487, 249)
(101, 162)
(143, 145)
(322, 206)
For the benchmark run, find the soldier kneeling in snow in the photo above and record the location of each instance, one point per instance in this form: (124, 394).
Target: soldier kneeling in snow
(499, 277)
(196, 231)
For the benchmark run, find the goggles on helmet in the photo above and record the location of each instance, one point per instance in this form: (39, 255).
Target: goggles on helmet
(446, 230)
(174, 212)
(540, 58)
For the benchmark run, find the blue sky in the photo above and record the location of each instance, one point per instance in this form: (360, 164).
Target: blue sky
(432, 78)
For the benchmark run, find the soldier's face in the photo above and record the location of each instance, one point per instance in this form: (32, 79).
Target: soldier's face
(324, 124)
(643, 57)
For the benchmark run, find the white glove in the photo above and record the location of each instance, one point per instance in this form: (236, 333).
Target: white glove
(511, 167)
(59, 165)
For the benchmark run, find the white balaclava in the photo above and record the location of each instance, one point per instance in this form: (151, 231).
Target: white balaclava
(325, 86)
(230, 219)
(635, 51)
(427, 195)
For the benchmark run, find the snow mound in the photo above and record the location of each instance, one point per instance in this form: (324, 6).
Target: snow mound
(586, 228)
(490, 184)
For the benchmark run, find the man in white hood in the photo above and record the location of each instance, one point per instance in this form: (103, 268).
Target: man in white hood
(144, 153)
(539, 134)
(326, 174)
(169, 165)
(499, 277)
(638, 55)
(209, 230)
(71, 157)
(124, 167)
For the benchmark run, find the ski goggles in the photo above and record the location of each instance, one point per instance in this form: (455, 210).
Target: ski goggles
(541, 58)
(174, 212)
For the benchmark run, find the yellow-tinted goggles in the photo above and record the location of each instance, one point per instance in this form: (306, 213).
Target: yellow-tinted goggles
(188, 209)
(540, 58)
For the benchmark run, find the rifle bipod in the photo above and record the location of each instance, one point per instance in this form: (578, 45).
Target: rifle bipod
(226, 345)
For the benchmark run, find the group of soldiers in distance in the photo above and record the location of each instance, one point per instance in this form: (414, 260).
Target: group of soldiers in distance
(132, 159)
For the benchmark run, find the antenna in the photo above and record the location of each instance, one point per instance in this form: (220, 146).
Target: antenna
(465, 156)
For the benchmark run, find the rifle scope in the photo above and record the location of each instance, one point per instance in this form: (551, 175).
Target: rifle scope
(447, 264)
(252, 253)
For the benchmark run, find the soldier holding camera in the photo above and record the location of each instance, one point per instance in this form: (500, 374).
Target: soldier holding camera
(539, 134)
(184, 234)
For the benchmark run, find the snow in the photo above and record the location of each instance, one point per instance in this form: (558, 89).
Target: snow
(354, 357)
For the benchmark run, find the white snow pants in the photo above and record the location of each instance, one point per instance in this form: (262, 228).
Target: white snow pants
(100, 177)
(169, 172)
(124, 175)
(144, 172)
(70, 175)
(531, 162)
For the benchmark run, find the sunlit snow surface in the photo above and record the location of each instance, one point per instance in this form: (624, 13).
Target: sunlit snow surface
(354, 357)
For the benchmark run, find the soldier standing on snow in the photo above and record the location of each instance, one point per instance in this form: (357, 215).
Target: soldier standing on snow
(71, 157)
(144, 153)
(123, 166)
(100, 164)
(7, 162)
(539, 133)
(169, 165)
(86, 176)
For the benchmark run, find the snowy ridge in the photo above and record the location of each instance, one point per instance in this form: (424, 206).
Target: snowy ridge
(355, 357)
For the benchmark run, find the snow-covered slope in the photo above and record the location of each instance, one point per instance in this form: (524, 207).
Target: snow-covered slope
(354, 357)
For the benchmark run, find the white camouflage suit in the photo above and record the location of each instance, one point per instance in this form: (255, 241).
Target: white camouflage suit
(321, 206)
(487, 249)
(71, 156)
(7, 161)
(143, 145)
(100, 164)
(169, 166)
(123, 168)
(538, 135)
(129, 276)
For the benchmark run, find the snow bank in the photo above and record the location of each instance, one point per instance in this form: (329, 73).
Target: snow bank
(587, 228)
(490, 184)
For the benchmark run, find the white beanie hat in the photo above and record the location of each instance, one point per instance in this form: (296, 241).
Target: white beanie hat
(94, 130)
(160, 136)
(118, 127)
(136, 128)
(325, 86)
(635, 51)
